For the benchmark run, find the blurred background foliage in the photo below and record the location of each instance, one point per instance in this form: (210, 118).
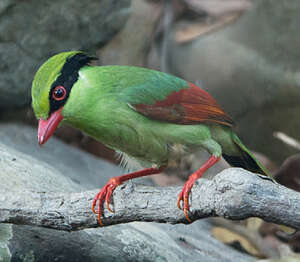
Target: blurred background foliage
(244, 52)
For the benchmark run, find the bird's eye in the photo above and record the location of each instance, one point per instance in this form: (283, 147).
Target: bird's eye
(59, 93)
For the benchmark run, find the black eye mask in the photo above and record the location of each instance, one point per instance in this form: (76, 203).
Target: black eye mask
(67, 78)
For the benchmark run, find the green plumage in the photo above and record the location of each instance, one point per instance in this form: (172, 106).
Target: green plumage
(43, 80)
(101, 105)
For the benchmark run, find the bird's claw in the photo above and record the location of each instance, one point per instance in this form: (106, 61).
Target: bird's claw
(104, 196)
(180, 198)
(184, 197)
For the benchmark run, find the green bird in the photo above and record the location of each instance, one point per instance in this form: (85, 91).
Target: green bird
(143, 114)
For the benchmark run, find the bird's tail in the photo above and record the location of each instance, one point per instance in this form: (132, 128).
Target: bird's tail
(246, 159)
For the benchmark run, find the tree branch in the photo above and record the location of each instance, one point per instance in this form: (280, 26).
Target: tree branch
(233, 194)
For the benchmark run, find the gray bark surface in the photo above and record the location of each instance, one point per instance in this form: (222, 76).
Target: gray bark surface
(56, 178)
(233, 194)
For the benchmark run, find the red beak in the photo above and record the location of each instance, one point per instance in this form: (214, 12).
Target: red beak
(47, 127)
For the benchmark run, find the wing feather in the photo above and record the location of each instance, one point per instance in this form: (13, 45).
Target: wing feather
(187, 106)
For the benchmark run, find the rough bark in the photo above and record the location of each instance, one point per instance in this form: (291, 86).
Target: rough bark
(233, 194)
(25, 168)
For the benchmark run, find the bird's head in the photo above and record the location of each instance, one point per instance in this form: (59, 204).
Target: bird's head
(51, 89)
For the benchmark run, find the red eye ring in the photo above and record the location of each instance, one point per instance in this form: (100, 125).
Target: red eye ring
(59, 93)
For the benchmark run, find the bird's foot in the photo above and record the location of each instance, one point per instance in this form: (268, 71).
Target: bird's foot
(105, 196)
(184, 196)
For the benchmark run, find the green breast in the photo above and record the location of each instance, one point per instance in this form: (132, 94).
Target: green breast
(99, 105)
(96, 107)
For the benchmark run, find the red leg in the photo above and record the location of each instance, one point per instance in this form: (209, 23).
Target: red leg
(105, 193)
(184, 194)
